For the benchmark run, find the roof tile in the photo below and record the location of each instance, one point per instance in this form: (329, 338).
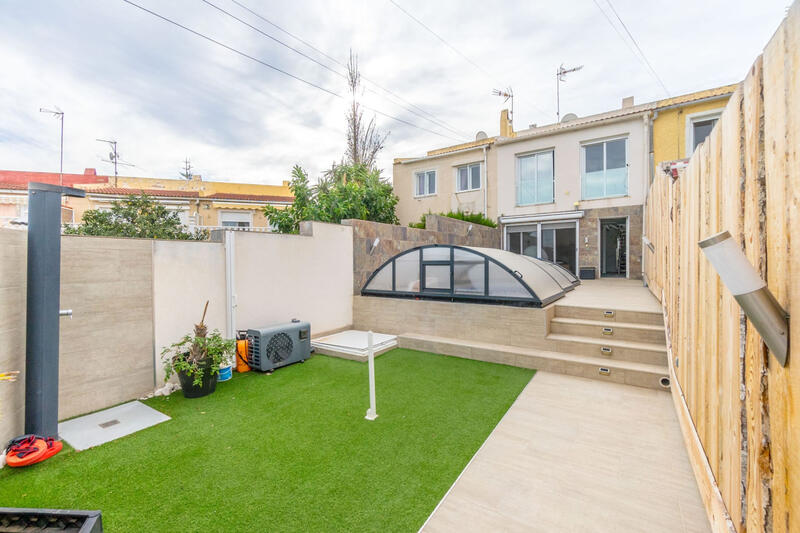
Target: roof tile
(121, 191)
(252, 197)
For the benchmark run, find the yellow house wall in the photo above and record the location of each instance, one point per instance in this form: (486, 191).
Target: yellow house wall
(209, 215)
(79, 206)
(669, 129)
(204, 187)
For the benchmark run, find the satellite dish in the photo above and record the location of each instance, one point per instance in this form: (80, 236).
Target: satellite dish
(569, 117)
(111, 155)
(481, 135)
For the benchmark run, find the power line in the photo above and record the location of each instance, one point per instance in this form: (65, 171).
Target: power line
(326, 67)
(636, 44)
(453, 48)
(268, 36)
(230, 48)
(288, 33)
(456, 50)
(264, 63)
(430, 117)
(640, 55)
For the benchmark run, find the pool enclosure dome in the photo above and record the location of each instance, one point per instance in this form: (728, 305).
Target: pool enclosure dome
(486, 275)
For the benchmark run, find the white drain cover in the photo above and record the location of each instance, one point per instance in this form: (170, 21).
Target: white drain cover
(110, 424)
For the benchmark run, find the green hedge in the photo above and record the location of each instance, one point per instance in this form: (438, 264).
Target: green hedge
(466, 216)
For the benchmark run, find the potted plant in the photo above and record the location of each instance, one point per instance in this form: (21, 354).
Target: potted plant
(196, 359)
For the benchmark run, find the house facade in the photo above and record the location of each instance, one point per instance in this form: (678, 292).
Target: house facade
(448, 179)
(681, 123)
(571, 192)
(198, 203)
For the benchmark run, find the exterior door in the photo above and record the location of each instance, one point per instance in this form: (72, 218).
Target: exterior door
(613, 247)
(559, 245)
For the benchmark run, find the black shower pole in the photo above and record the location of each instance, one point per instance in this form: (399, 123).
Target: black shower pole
(44, 290)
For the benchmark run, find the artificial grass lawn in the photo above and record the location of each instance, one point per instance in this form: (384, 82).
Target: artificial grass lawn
(288, 452)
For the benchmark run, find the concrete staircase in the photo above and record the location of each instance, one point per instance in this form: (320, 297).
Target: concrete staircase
(605, 344)
(631, 343)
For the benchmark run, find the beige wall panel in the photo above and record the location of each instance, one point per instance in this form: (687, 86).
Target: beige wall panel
(13, 276)
(106, 348)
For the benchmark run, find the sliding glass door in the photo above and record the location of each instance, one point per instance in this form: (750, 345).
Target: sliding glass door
(554, 241)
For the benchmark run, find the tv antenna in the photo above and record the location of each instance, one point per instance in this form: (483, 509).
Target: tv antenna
(114, 157)
(507, 94)
(186, 173)
(560, 76)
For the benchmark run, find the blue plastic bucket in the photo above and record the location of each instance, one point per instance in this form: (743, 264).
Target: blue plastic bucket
(225, 373)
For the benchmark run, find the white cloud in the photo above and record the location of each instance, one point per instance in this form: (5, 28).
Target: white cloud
(164, 94)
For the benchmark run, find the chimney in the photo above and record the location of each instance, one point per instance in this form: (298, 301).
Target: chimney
(506, 125)
(89, 172)
(627, 102)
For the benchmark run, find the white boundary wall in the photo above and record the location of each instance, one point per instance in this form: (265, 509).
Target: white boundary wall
(308, 276)
(185, 275)
(151, 293)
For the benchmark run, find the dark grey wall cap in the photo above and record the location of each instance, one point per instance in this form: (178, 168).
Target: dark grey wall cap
(49, 187)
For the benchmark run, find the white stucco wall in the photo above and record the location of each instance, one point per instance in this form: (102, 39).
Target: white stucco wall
(567, 167)
(185, 275)
(308, 277)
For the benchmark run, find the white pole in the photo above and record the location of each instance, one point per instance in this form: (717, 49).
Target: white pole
(230, 282)
(371, 413)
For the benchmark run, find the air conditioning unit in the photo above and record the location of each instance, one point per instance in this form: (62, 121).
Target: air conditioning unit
(276, 346)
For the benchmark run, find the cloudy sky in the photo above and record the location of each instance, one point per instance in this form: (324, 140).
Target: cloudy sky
(165, 94)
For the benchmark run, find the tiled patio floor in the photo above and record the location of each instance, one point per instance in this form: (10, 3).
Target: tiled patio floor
(578, 455)
(614, 293)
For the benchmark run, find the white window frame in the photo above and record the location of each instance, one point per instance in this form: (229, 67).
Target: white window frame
(63, 207)
(517, 165)
(468, 166)
(223, 212)
(435, 182)
(700, 116)
(584, 144)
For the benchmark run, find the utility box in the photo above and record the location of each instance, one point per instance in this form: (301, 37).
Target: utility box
(276, 346)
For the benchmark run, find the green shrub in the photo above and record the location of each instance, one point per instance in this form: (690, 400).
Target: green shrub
(466, 216)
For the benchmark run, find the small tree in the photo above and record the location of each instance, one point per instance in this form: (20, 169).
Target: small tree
(287, 220)
(346, 191)
(364, 141)
(136, 216)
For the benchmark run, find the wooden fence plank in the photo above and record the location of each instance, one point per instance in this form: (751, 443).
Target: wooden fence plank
(791, 447)
(731, 216)
(740, 405)
(712, 315)
(758, 473)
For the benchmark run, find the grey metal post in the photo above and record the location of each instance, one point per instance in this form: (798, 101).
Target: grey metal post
(44, 288)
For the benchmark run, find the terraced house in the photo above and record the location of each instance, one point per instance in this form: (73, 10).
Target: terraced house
(198, 203)
(570, 192)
